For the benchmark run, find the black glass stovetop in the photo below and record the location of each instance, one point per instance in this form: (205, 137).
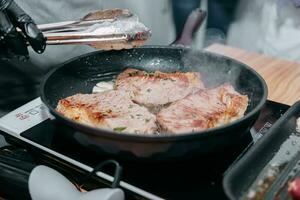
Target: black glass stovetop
(185, 179)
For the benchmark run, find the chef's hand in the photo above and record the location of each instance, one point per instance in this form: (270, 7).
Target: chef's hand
(12, 42)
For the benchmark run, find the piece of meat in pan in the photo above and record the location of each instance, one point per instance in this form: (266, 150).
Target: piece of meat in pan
(158, 88)
(203, 109)
(111, 110)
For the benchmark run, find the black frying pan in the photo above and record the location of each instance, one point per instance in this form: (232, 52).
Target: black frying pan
(80, 74)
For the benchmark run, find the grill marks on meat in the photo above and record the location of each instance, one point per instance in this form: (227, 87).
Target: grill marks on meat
(158, 88)
(203, 109)
(112, 110)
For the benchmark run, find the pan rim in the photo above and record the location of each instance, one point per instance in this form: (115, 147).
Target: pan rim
(157, 138)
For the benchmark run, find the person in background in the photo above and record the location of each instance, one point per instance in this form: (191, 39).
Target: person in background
(271, 27)
(220, 15)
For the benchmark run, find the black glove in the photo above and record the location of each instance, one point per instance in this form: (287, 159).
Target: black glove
(12, 42)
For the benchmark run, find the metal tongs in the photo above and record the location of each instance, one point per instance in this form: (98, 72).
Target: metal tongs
(106, 29)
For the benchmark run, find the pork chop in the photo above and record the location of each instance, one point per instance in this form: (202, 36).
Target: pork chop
(158, 88)
(111, 110)
(203, 109)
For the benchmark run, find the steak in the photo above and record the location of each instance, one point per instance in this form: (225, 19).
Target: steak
(203, 109)
(110, 110)
(158, 88)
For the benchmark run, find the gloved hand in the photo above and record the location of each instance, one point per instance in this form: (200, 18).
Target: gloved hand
(12, 42)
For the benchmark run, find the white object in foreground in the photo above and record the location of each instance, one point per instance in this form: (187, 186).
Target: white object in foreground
(47, 184)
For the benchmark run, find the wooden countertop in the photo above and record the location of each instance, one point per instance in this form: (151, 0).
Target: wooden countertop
(282, 77)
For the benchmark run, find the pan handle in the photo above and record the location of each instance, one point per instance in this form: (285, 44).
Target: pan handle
(117, 173)
(192, 24)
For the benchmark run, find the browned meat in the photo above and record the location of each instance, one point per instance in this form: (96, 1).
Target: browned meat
(111, 109)
(203, 109)
(158, 88)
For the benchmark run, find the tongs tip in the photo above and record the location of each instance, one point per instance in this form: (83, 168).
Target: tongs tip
(107, 14)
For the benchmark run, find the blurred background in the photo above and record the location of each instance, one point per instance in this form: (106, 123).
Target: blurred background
(270, 27)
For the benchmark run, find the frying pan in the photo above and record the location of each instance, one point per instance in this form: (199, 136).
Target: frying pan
(80, 74)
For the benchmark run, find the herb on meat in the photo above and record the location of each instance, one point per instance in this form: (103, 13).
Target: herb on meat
(119, 129)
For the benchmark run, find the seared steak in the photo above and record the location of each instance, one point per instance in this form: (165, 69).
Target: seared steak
(203, 109)
(179, 99)
(158, 88)
(111, 110)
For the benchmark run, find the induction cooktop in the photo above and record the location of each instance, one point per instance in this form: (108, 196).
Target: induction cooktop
(32, 127)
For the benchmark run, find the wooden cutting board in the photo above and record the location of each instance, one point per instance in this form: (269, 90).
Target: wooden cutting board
(282, 77)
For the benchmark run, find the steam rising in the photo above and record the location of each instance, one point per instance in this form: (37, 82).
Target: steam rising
(213, 35)
(214, 72)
